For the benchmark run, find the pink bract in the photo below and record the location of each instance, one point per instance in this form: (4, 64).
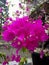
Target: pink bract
(15, 58)
(25, 33)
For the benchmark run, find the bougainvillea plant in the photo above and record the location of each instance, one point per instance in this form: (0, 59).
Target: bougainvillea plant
(24, 33)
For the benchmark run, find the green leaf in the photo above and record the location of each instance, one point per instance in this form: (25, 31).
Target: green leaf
(23, 60)
(24, 49)
(46, 54)
(2, 55)
(21, 63)
(0, 36)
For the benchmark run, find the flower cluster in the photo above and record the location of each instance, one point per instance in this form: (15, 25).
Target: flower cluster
(12, 58)
(23, 33)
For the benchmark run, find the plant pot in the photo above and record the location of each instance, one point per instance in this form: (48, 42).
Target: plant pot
(38, 61)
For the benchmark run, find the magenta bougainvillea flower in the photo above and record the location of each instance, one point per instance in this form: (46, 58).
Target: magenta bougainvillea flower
(9, 36)
(15, 58)
(46, 25)
(4, 63)
(27, 8)
(24, 33)
(41, 54)
(0, 9)
(20, 5)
